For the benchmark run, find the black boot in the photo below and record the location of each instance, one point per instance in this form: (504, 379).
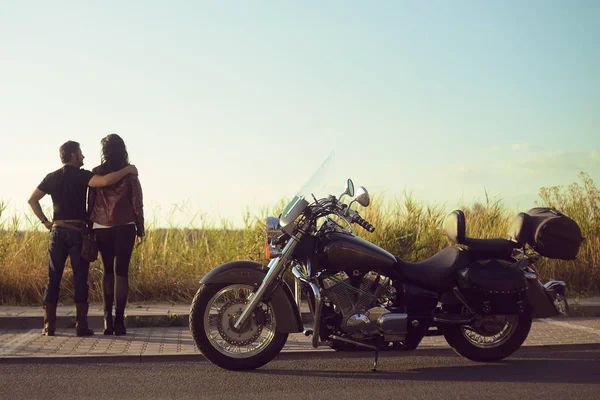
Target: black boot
(122, 290)
(109, 329)
(49, 320)
(108, 291)
(81, 323)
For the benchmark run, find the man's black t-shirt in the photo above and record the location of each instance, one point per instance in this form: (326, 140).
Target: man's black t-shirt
(68, 188)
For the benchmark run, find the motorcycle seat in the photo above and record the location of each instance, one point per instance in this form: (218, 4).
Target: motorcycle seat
(437, 272)
(455, 227)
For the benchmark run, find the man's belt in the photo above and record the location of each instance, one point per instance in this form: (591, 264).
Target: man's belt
(73, 224)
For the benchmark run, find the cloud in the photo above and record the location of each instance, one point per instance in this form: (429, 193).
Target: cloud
(564, 161)
(514, 176)
(509, 173)
(525, 147)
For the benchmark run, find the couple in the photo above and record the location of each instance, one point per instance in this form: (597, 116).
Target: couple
(115, 211)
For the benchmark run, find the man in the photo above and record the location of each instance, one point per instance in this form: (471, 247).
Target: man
(68, 188)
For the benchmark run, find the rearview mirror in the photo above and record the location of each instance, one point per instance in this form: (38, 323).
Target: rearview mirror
(349, 189)
(362, 197)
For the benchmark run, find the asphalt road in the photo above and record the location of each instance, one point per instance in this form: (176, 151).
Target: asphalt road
(418, 375)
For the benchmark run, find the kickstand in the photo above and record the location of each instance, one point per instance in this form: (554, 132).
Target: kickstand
(376, 359)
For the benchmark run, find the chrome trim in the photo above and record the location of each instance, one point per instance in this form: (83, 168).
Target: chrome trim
(341, 339)
(299, 275)
(273, 224)
(308, 268)
(393, 323)
(556, 290)
(552, 285)
(298, 292)
(318, 304)
(274, 252)
(451, 321)
(276, 267)
(273, 230)
(362, 197)
(530, 275)
(356, 324)
(347, 222)
(486, 340)
(317, 316)
(374, 313)
(215, 326)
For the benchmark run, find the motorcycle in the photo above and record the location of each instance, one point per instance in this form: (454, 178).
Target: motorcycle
(480, 294)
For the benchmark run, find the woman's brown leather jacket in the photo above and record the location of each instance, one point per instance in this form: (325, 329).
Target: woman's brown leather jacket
(118, 204)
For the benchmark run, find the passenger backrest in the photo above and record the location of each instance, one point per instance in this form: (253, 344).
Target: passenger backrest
(520, 229)
(454, 225)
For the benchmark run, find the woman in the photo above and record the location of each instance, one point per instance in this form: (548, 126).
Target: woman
(118, 217)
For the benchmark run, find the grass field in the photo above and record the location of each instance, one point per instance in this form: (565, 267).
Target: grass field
(168, 266)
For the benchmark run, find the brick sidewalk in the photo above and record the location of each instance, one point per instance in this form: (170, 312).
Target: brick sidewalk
(143, 315)
(26, 345)
(138, 315)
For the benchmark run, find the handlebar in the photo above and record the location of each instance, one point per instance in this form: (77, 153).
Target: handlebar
(363, 223)
(357, 219)
(336, 207)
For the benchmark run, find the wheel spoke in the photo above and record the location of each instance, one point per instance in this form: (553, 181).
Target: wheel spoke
(481, 336)
(252, 339)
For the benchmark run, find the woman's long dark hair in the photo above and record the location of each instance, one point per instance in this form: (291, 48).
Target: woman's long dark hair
(114, 153)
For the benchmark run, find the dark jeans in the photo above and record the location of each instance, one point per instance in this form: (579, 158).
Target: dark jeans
(115, 245)
(66, 243)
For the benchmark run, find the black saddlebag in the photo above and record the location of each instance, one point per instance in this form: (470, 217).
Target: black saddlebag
(549, 232)
(494, 287)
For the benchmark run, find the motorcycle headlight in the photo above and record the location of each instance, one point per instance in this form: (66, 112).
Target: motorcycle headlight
(273, 230)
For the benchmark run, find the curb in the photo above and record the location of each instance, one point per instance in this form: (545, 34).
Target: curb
(96, 322)
(284, 355)
(584, 310)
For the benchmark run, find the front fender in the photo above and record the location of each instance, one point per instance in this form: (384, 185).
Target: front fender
(252, 273)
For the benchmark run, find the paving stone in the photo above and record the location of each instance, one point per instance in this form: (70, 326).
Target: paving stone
(177, 340)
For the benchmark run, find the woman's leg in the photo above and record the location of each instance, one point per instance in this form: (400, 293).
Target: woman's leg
(123, 249)
(106, 239)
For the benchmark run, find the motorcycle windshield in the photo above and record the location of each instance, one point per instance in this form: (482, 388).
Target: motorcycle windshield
(304, 196)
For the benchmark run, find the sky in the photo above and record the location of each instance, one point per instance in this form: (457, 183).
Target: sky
(227, 107)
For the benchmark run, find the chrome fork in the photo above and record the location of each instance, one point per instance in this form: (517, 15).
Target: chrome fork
(276, 268)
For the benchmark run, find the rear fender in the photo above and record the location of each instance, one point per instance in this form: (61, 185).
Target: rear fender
(541, 299)
(251, 273)
(557, 292)
(556, 287)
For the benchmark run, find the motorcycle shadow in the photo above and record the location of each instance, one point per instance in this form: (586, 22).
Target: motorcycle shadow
(568, 366)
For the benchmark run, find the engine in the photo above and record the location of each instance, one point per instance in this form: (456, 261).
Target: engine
(361, 305)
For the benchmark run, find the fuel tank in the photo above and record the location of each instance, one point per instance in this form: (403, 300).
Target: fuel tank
(346, 252)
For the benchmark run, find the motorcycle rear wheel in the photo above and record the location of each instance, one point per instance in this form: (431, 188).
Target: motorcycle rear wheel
(492, 340)
(212, 313)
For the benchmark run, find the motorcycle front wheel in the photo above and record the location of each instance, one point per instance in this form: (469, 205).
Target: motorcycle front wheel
(213, 312)
(493, 338)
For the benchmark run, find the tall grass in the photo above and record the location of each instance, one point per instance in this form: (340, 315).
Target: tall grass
(168, 266)
(580, 201)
